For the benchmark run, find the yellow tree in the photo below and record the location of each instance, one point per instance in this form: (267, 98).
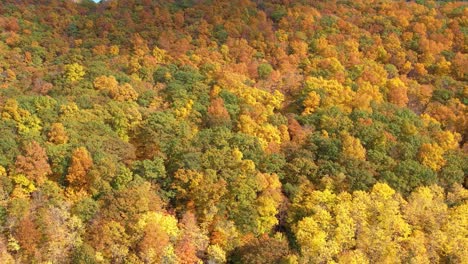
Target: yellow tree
(110, 241)
(105, 83)
(74, 72)
(431, 155)
(382, 225)
(332, 93)
(366, 94)
(160, 55)
(329, 230)
(57, 134)
(313, 239)
(427, 213)
(114, 50)
(26, 122)
(124, 92)
(448, 140)
(111, 86)
(456, 232)
(352, 147)
(311, 103)
(268, 201)
(314, 232)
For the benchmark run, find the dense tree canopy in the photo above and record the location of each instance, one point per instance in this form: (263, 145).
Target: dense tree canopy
(245, 131)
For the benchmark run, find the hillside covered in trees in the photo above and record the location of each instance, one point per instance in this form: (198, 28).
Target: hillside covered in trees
(233, 131)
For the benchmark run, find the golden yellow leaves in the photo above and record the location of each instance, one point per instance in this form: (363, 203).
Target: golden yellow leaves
(266, 133)
(10, 75)
(352, 147)
(124, 92)
(167, 223)
(118, 92)
(114, 50)
(268, 201)
(23, 186)
(57, 134)
(104, 83)
(429, 120)
(328, 93)
(397, 92)
(74, 72)
(335, 94)
(361, 227)
(237, 154)
(448, 140)
(431, 155)
(26, 122)
(258, 106)
(311, 103)
(312, 239)
(365, 94)
(160, 55)
(457, 232)
(184, 111)
(216, 253)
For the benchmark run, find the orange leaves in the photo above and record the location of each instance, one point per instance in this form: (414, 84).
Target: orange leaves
(151, 247)
(124, 92)
(10, 24)
(397, 92)
(81, 163)
(459, 65)
(34, 163)
(140, 45)
(100, 50)
(217, 113)
(373, 73)
(57, 134)
(12, 39)
(111, 240)
(118, 92)
(28, 235)
(103, 83)
(223, 162)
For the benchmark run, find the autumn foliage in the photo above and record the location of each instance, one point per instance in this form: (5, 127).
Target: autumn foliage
(244, 131)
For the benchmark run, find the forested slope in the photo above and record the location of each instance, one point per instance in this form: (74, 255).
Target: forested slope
(198, 131)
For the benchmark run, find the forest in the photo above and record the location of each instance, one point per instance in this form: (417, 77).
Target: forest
(233, 131)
